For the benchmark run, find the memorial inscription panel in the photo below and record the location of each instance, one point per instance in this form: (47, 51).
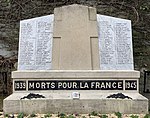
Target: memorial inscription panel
(115, 43)
(75, 85)
(35, 43)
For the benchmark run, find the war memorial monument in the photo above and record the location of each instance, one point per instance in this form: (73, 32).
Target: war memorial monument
(75, 61)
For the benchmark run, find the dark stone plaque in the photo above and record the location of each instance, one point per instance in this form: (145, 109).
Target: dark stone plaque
(75, 85)
(19, 85)
(130, 84)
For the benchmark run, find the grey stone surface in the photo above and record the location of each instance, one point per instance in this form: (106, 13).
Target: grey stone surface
(75, 44)
(115, 43)
(90, 100)
(95, 74)
(62, 102)
(35, 43)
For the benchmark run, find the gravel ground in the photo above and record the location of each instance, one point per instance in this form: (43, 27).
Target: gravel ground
(73, 116)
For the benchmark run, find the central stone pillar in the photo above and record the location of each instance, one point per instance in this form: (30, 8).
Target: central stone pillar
(75, 42)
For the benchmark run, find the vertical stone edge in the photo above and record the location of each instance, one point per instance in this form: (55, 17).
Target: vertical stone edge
(92, 14)
(56, 38)
(94, 53)
(58, 14)
(56, 53)
(94, 38)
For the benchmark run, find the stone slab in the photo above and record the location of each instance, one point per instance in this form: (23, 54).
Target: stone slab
(75, 40)
(55, 102)
(128, 80)
(35, 43)
(74, 74)
(115, 43)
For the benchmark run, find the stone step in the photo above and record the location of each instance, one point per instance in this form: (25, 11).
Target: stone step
(86, 102)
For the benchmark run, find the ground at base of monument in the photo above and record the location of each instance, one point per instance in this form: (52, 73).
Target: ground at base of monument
(84, 103)
(90, 115)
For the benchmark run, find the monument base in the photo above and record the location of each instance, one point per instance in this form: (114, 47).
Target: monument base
(63, 102)
(75, 91)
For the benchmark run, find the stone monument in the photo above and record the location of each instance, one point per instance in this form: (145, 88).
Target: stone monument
(75, 61)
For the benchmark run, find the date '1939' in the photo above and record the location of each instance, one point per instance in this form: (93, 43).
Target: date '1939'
(20, 85)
